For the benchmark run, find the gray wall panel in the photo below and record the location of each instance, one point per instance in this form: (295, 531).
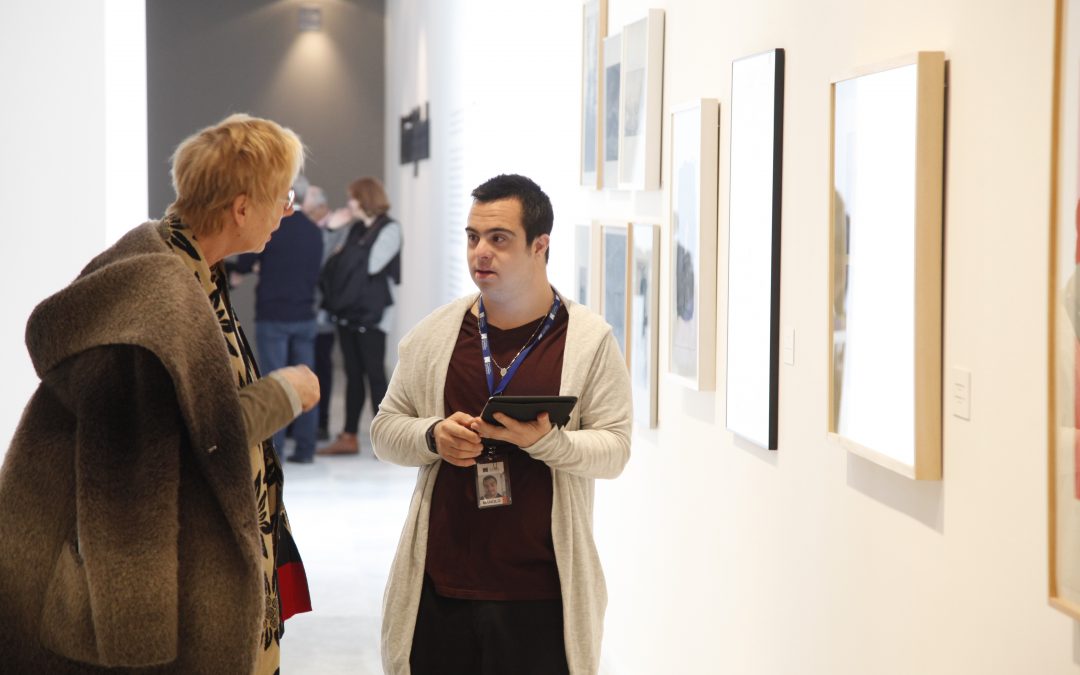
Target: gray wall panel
(207, 59)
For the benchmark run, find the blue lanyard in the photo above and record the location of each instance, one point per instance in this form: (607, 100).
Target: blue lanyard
(512, 369)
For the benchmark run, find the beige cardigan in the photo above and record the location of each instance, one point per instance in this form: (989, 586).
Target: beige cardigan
(596, 444)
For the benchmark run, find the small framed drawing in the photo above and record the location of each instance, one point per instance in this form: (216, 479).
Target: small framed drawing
(593, 30)
(640, 96)
(615, 303)
(885, 259)
(753, 307)
(1064, 421)
(644, 324)
(694, 157)
(611, 83)
(582, 263)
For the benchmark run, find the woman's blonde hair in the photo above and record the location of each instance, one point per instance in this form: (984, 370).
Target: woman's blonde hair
(371, 195)
(240, 155)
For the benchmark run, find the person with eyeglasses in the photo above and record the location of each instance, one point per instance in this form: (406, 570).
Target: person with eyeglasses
(285, 327)
(144, 526)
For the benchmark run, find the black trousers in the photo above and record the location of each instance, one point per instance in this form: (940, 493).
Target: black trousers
(324, 370)
(480, 637)
(364, 352)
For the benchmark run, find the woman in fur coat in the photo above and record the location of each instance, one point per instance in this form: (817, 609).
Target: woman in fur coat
(142, 524)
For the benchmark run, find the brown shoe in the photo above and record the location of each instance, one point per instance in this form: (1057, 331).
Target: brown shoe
(344, 444)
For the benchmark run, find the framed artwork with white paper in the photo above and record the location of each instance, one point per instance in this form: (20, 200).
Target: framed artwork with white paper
(753, 306)
(611, 83)
(1064, 321)
(885, 263)
(644, 321)
(641, 98)
(593, 30)
(615, 272)
(692, 319)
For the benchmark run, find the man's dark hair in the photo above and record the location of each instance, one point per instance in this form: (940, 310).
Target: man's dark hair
(493, 479)
(537, 216)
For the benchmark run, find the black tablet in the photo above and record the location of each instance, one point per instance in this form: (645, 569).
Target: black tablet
(528, 408)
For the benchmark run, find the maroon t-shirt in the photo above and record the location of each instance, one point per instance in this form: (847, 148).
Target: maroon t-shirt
(505, 552)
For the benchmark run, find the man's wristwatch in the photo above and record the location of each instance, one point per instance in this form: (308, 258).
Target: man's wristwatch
(429, 435)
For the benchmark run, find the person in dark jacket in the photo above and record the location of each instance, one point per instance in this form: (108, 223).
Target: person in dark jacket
(358, 283)
(285, 309)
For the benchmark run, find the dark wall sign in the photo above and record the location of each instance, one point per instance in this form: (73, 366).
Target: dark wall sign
(416, 137)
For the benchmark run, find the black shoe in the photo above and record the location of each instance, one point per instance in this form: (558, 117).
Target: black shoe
(300, 460)
(323, 434)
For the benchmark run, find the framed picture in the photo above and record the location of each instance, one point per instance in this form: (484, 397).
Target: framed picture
(644, 324)
(582, 264)
(611, 83)
(640, 96)
(615, 303)
(593, 30)
(1064, 421)
(694, 158)
(753, 321)
(885, 264)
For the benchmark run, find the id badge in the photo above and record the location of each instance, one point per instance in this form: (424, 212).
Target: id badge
(492, 482)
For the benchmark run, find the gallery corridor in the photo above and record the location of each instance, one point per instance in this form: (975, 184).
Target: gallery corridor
(837, 244)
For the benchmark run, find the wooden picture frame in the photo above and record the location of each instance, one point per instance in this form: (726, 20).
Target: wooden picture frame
(1063, 467)
(887, 129)
(611, 84)
(616, 246)
(587, 262)
(641, 102)
(583, 264)
(593, 30)
(754, 198)
(645, 322)
(695, 139)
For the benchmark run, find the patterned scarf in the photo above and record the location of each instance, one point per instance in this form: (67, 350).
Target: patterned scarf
(284, 580)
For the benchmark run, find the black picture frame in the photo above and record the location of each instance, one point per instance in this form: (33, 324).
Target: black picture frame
(754, 232)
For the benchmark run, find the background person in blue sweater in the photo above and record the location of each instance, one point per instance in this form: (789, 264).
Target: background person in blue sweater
(285, 308)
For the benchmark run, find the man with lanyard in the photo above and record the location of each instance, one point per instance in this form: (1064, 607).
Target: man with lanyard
(508, 585)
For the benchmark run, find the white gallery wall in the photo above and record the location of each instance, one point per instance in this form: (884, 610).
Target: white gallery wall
(73, 175)
(721, 557)
(488, 70)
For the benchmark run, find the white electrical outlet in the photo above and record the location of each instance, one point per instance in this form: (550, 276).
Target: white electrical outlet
(959, 393)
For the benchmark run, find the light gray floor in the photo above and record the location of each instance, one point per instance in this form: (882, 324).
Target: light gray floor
(346, 514)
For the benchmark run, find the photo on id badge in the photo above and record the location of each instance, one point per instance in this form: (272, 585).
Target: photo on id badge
(492, 484)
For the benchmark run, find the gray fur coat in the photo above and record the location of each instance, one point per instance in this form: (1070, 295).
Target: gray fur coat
(128, 536)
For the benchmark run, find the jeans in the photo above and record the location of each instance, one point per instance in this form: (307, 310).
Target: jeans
(290, 343)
